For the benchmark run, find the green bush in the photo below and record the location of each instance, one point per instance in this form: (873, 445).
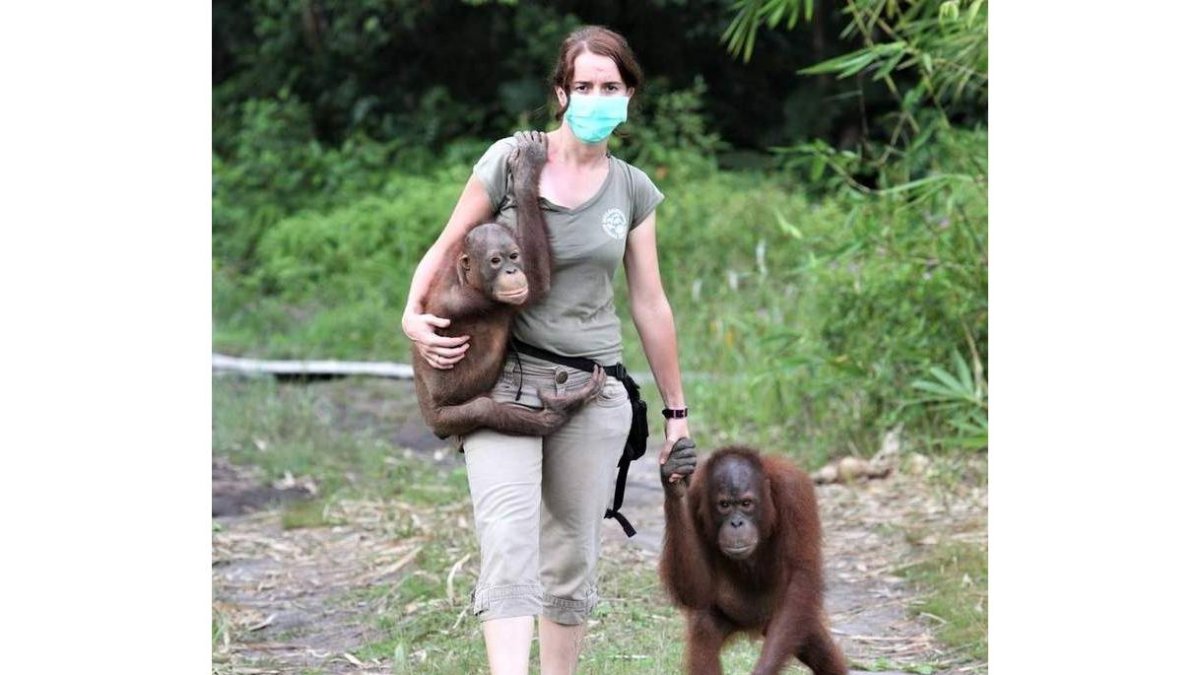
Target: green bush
(810, 319)
(669, 137)
(370, 244)
(334, 283)
(267, 166)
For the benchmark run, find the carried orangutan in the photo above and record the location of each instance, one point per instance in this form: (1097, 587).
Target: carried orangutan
(742, 553)
(482, 283)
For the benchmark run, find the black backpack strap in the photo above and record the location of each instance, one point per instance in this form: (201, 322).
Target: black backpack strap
(635, 447)
(619, 498)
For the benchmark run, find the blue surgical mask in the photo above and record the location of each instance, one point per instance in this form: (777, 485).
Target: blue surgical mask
(593, 117)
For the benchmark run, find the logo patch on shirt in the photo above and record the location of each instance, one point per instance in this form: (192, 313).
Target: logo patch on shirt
(614, 223)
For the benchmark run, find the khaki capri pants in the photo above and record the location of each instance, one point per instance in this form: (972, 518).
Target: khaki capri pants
(539, 502)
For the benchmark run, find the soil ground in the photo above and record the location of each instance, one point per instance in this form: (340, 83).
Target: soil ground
(279, 584)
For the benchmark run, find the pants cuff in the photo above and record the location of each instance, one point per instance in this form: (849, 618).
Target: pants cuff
(567, 611)
(502, 602)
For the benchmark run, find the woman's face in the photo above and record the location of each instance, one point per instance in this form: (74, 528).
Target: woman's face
(594, 74)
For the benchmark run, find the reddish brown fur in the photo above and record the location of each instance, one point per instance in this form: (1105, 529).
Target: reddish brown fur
(456, 401)
(776, 591)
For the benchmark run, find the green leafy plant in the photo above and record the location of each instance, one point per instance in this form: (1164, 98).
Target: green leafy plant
(267, 166)
(670, 138)
(961, 397)
(749, 14)
(930, 57)
(905, 284)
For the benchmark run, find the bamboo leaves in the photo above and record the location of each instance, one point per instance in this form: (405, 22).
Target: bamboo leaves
(961, 397)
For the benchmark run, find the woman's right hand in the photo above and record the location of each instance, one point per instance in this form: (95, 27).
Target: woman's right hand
(439, 351)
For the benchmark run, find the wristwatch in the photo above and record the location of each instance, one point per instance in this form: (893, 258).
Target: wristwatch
(675, 413)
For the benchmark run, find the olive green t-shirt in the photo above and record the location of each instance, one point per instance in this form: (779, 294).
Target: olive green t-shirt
(577, 317)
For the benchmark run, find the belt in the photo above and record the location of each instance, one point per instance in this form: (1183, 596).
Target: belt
(576, 362)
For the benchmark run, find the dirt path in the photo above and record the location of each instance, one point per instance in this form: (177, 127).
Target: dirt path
(274, 589)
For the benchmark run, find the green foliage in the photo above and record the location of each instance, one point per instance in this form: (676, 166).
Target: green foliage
(268, 165)
(933, 63)
(423, 73)
(943, 57)
(946, 48)
(399, 70)
(961, 397)
(325, 269)
(369, 244)
(749, 14)
(816, 296)
(673, 142)
(803, 319)
(909, 287)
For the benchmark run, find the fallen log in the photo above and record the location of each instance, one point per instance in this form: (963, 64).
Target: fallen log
(307, 370)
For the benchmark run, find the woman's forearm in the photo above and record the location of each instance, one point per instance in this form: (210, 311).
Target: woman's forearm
(656, 326)
(422, 279)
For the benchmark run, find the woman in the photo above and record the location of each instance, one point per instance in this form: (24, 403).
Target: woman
(539, 502)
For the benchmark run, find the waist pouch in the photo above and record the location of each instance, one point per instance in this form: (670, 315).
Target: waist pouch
(639, 427)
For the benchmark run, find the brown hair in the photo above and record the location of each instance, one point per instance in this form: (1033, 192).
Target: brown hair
(602, 42)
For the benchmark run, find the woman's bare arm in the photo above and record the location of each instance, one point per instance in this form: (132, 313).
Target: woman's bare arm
(655, 324)
(442, 352)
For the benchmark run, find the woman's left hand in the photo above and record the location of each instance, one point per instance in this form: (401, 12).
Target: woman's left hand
(676, 429)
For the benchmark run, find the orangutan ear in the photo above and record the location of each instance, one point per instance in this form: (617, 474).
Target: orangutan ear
(464, 266)
(770, 513)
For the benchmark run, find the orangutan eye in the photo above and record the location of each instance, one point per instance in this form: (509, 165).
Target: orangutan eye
(512, 256)
(496, 260)
(746, 503)
(724, 503)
